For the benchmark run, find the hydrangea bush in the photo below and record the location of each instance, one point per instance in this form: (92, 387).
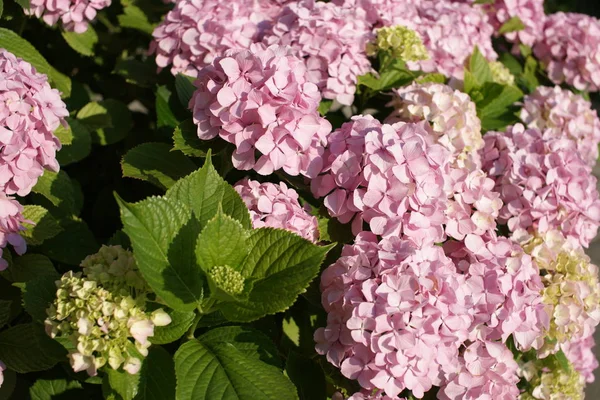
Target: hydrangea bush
(298, 199)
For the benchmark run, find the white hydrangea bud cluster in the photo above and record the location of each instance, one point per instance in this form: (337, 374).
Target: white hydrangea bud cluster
(501, 74)
(101, 318)
(401, 42)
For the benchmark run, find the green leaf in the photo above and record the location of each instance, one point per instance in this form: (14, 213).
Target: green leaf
(307, 375)
(282, 265)
(164, 113)
(204, 190)
(218, 370)
(108, 120)
(157, 377)
(222, 242)
(470, 84)
(163, 234)
(38, 294)
(563, 361)
(184, 85)
(392, 76)
(529, 77)
(1, 7)
(28, 267)
(44, 225)
(79, 146)
(433, 77)
(157, 164)
(496, 106)
(512, 25)
(73, 244)
(26, 348)
(23, 49)
(180, 323)
(186, 140)
(58, 188)
(94, 116)
(83, 43)
(324, 106)
(5, 307)
(136, 72)
(135, 18)
(23, 3)
(479, 67)
(45, 389)
(123, 383)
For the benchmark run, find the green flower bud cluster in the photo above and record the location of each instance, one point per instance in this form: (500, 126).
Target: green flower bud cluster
(401, 42)
(98, 315)
(551, 381)
(227, 279)
(501, 74)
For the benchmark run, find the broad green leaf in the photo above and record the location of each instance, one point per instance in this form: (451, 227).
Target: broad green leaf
(73, 244)
(307, 375)
(324, 106)
(222, 242)
(164, 112)
(83, 43)
(529, 77)
(218, 370)
(135, 18)
(94, 116)
(119, 238)
(184, 85)
(392, 76)
(5, 307)
(23, 49)
(470, 84)
(79, 146)
(431, 77)
(1, 7)
(44, 225)
(479, 67)
(563, 361)
(185, 139)
(511, 63)
(38, 294)
(282, 265)
(23, 3)
(497, 99)
(46, 389)
(180, 323)
(120, 123)
(136, 72)
(123, 383)
(26, 348)
(28, 267)
(157, 164)
(64, 135)
(512, 25)
(58, 188)
(163, 234)
(157, 377)
(204, 190)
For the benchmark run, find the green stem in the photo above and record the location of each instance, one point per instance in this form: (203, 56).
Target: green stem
(190, 332)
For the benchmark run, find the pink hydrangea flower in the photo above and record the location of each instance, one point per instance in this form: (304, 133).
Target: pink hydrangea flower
(544, 184)
(331, 38)
(277, 206)
(262, 101)
(582, 357)
(377, 173)
(452, 116)
(487, 370)
(11, 223)
(570, 50)
(2, 368)
(396, 315)
(75, 15)
(369, 396)
(561, 113)
(195, 32)
(29, 112)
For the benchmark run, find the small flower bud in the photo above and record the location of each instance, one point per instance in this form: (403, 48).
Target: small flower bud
(132, 365)
(141, 330)
(227, 279)
(160, 318)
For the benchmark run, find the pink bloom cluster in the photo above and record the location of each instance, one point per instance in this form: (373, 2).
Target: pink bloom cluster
(452, 116)
(582, 357)
(277, 206)
(262, 101)
(487, 371)
(544, 183)
(331, 38)
(570, 49)
(75, 15)
(30, 110)
(398, 315)
(11, 223)
(195, 32)
(560, 113)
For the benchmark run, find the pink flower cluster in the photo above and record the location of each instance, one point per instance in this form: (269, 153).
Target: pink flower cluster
(331, 38)
(544, 183)
(195, 32)
(560, 113)
(399, 316)
(11, 223)
(262, 101)
(450, 112)
(75, 15)
(582, 357)
(277, 206)
(570, 50)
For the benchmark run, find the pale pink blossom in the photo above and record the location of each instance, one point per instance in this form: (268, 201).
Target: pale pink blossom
(262, 101)
(11, 224)
(581, 356)
(75, 15)
(277, 206)
(560, 113)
